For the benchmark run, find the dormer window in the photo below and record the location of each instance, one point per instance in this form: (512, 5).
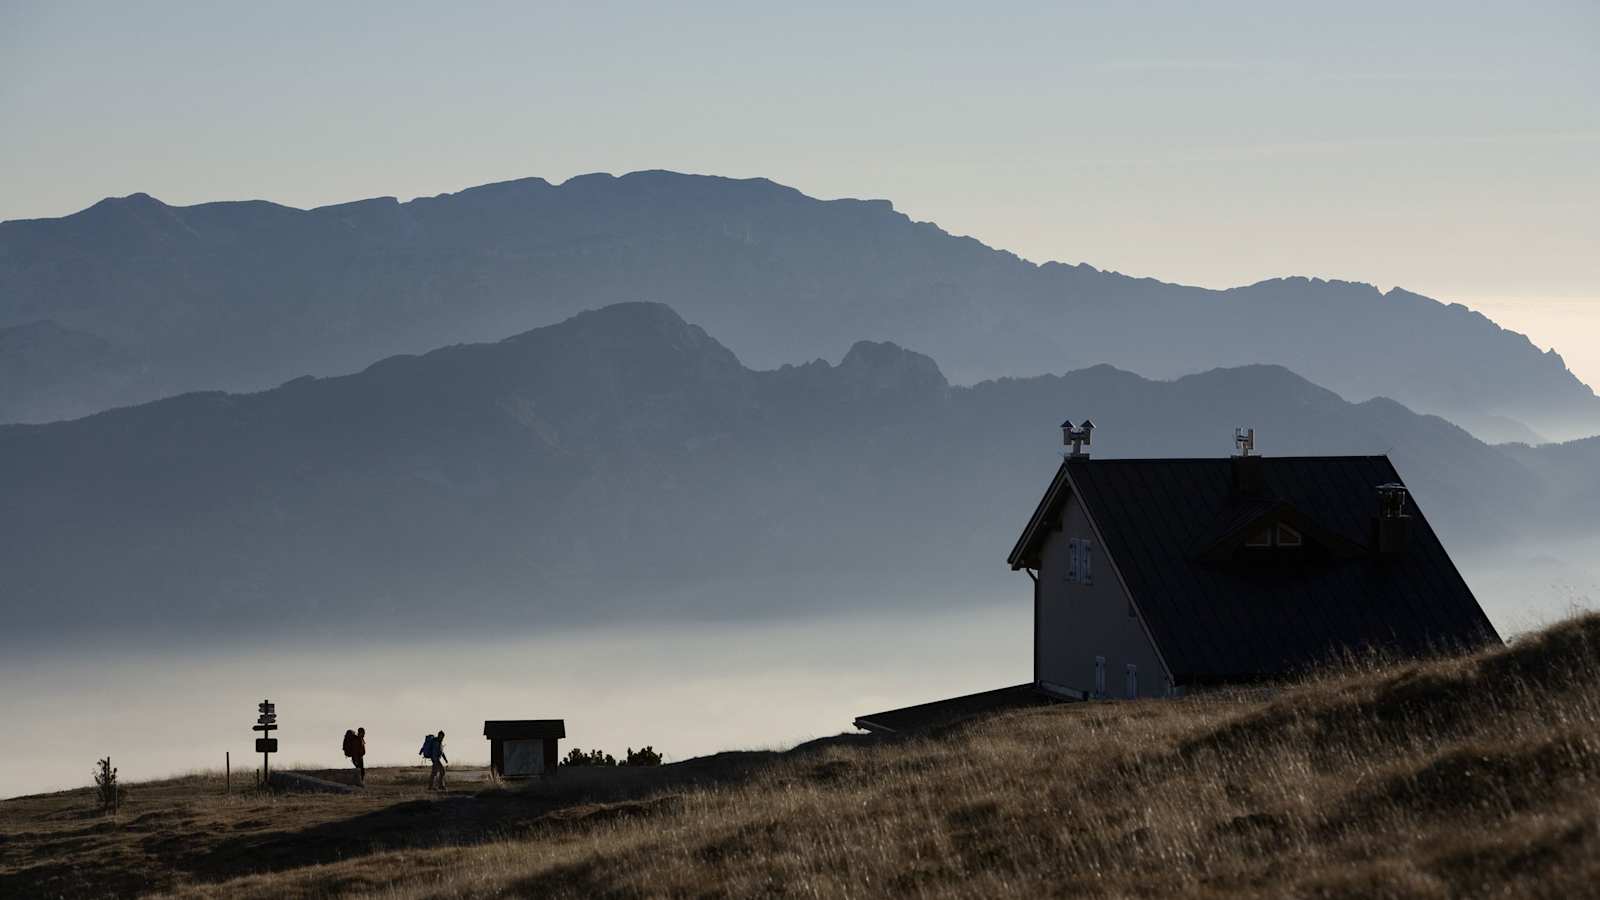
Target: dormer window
(1269, 533)
(1275, 535)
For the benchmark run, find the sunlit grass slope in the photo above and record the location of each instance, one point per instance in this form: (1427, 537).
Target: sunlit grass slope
(1469, 777)
(1477, 776)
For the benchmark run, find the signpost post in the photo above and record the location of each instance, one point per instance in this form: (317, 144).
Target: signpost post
(266, 722)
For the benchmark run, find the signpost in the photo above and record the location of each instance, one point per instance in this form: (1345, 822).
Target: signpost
(266, 722)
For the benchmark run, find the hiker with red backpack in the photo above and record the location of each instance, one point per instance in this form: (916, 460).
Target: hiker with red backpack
(355, 747)
(433, 751)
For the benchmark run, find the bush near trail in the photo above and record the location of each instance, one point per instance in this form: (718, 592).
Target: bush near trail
(644, 756)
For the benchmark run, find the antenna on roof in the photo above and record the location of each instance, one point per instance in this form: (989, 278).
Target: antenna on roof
(1245, 440)
(1077, 437)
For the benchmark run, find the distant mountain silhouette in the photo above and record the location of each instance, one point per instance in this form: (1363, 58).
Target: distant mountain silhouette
(244, 295)
(51, 372)
(1573, 470)
(622, 463)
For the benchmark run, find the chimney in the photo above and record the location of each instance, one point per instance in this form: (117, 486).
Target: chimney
(1393, 526)
(1249, 472)
(1077, 438)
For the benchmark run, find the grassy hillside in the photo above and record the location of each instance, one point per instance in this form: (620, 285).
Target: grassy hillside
(1477, 776)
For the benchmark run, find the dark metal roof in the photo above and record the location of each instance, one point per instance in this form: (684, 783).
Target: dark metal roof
(524, 729)
(1220, 619)
(924, 716)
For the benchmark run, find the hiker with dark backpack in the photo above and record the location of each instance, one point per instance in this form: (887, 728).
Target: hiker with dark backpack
(433, 751)
(350, 751)
(355, 747)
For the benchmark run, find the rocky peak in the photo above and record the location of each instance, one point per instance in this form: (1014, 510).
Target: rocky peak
(882, 366)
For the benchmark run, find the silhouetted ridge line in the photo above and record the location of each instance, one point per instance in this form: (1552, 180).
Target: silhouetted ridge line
(245, 295)
(624, 462)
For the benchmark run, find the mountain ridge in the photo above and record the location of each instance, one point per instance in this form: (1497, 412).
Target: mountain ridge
(239, 295)
(626, 462)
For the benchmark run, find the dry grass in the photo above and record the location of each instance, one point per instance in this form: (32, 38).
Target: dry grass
(1477, 776)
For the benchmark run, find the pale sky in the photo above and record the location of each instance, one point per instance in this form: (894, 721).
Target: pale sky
(1446, 147)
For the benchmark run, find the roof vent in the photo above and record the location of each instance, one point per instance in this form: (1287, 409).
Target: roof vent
(1394, 526)
(1077, 438)
(1249, 472)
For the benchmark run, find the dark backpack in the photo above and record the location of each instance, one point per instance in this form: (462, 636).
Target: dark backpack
(349, 743)
(427, 751)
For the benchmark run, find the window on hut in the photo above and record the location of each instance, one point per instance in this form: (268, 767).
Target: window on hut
(1277, 535)
(1080, 561)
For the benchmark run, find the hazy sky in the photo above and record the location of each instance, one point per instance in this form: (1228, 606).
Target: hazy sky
(1447, 147)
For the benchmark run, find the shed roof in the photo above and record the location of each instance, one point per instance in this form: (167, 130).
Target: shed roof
(925, 716)
(524, 729)
(1159, 520)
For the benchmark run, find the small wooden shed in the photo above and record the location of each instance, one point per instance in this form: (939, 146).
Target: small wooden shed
(522, 747)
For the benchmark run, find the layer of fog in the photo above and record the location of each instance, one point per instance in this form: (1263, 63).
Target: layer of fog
(687, 689)
(1525, 585)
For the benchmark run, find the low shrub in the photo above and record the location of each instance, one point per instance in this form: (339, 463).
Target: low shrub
(106, 792)
(644, 756)
(580, 757)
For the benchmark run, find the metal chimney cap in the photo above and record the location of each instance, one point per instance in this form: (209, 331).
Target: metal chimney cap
(1392, 500)
(1076, 437)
